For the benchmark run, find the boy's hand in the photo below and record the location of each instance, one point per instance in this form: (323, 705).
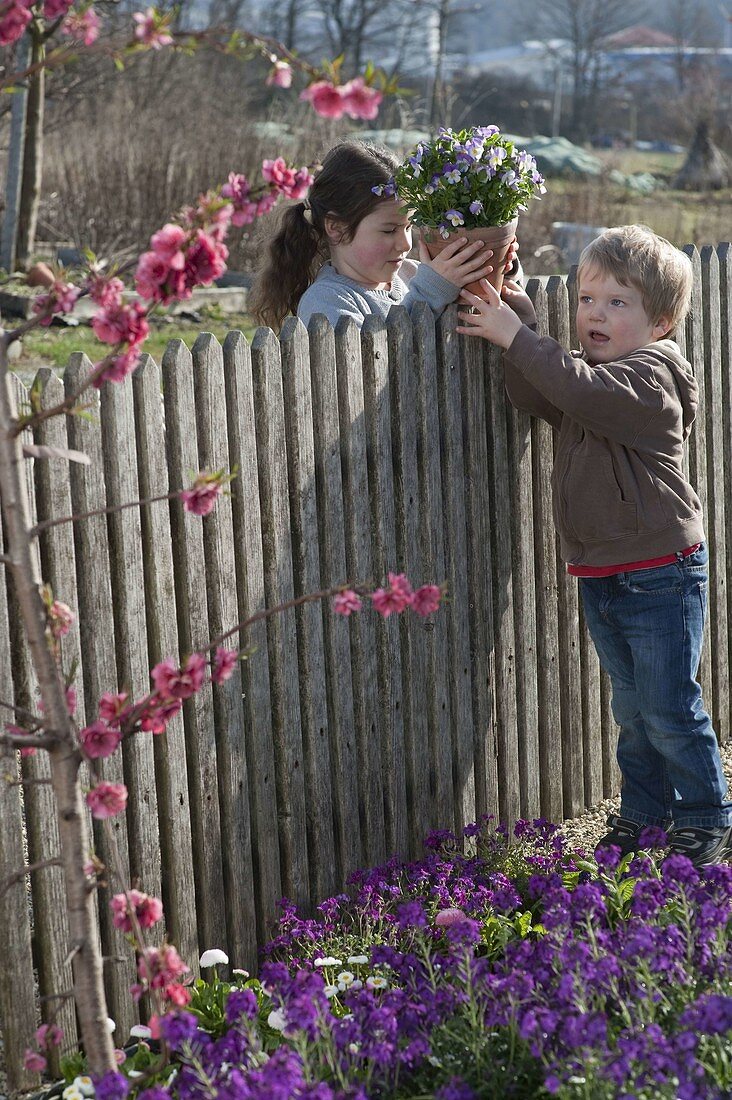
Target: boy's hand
(460, 262)
(515, 295)
(494, 320)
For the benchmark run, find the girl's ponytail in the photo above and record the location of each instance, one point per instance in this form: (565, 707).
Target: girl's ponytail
(293, 257)
(343, 190)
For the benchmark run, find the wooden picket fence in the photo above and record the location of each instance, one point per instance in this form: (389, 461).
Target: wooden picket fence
(339, 742)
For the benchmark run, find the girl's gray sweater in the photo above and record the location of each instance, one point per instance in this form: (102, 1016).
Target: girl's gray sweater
(337, 296)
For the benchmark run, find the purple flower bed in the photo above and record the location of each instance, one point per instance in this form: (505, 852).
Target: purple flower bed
(511, 970)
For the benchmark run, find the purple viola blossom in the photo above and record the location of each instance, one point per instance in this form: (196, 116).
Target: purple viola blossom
(454, 218)
(511, 180)
(451, 173)
(112, 1086)
(476, 207)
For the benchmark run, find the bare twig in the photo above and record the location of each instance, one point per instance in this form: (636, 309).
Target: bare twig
(46, 524)
(29, 869)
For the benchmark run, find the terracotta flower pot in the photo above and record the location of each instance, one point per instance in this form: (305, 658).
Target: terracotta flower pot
(496, 237)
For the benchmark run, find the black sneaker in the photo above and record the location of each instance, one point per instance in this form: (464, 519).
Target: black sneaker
(704, 847)
(623, 834)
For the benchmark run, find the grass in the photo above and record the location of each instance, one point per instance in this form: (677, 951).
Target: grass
(52, 346)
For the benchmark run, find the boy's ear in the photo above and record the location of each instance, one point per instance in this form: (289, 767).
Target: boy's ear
(662, 327)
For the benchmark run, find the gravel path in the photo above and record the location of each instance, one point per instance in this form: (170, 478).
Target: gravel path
(583, 832)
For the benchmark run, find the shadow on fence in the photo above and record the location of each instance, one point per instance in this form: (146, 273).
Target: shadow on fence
(338, 742)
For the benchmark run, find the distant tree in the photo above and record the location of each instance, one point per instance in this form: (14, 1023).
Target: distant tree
(584, 25)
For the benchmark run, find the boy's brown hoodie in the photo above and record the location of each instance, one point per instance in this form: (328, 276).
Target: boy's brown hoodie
(619, 489)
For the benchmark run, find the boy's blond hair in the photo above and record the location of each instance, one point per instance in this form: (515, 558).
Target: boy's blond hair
(636, 256)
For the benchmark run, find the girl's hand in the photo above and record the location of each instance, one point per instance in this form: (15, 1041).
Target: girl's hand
(460, 262)
(517, 298)
(494, 319)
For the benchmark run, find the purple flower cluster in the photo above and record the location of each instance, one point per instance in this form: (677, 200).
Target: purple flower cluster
(493, 967)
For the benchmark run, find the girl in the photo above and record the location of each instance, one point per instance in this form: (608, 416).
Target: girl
(343, 251)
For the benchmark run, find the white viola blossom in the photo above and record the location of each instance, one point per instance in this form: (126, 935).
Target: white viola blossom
(213, 957)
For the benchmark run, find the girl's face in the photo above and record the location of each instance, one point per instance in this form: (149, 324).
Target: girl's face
(375, 252)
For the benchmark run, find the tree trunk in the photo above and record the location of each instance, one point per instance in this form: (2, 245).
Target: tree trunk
(30, 195)
(63, 754)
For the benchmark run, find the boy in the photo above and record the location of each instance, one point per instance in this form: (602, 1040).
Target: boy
(629, 522)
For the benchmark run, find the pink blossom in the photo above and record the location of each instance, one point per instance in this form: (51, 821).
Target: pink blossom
(82, 26)
(105, 292)
(49, 1035)
(174, 683)
(34, 1062)
(61, 298)
(122, 324)
(359, 100)
(28, 750)
(112, 706)
(119, 366)
(160, 967)
(426, 599)
(280, 75)
(61, 617)
(346, 602)
(168, 244)
(157, 714)
(151, 29)
(394, 598)
(157, 280)
(178, 995)
(447, 917)
(224, 663)
(99, 740)
(14, 19)
(107, 799)
(148, 910)
(265, 204)
(55, 9)
(326, 98)
(202, 495)
(205, 260)
(71, 699)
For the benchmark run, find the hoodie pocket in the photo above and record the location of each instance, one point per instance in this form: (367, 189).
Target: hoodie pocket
(595, 505)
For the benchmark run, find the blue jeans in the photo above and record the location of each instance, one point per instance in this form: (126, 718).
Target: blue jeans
(647, 627)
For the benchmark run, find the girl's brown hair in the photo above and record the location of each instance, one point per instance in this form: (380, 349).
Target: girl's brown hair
(342, 189)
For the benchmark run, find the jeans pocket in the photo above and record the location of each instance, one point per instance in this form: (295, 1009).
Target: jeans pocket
(655, 582)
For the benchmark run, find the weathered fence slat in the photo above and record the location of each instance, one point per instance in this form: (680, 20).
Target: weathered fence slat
(377, 408)
(432, 538)
(128, 602)
(269, 419)
(333, 571)
(478, 511)
(223, 615)
(718, 655)
(189, 565)
(408, 549)
(725, 361)
(359, 559)
(248, 556)
(17, 998)
(549, 722)
(570, 675)
(298, 405)
(504, 640)
(456, 562)
(96, 621)
(171, 773)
